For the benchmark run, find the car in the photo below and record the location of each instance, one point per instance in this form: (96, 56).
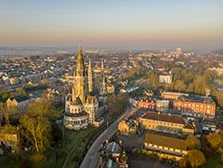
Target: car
(170, 162)
(162, 161)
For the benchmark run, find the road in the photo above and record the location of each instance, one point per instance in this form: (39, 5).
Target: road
(91, 158)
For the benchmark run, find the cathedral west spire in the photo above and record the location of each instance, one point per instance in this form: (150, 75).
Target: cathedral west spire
(80, 61)
(79, 89)
(90, 77)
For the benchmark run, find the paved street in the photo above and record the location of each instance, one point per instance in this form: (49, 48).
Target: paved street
(91, 158)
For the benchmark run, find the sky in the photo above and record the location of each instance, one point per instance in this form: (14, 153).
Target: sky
(137, 24)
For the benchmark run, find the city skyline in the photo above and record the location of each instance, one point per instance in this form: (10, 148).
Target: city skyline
(117, 24)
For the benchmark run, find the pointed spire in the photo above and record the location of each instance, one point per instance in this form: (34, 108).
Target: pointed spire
(102, 65)
(79, 89)
(80, 61)
(90, 77)
(80, 45)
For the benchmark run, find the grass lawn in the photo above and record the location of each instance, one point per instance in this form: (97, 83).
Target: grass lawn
(77, 154)
(213, 162)
(71, 139)
(8, 162)
(60, 160)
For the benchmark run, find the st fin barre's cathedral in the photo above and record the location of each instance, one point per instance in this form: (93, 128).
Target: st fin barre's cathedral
(85, 104)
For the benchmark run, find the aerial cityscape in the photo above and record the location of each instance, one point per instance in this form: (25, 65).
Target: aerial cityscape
(120, 84)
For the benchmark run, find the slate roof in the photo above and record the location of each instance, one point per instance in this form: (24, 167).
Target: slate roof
(77, 101)
(189, 126)
(19, 98)
(114, 147)
(109, 163)
(83, 113)
(165, 141)
(164, 117)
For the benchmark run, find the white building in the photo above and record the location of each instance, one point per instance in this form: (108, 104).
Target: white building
(166, 78)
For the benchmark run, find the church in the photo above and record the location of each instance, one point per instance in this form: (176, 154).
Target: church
(85, 104)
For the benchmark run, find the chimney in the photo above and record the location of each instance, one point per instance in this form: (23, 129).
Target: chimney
(120, 142)
(117, 159)
(207, 92)
(124, 154)
(107, 141)
(100, 160)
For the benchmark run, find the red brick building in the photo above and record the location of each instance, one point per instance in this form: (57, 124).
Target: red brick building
(195, 105)
(150, 104)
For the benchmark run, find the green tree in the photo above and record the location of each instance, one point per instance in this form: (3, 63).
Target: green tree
(8, 113)
(193, 142)
(37, 131)
(209, 75)
(200, 85)
(179, 85)
(42, 107)
(152, 80)
(219, 96)
(117, 104)
(214, 140)
(36, 124)
(195, 158)
(5, 96)
(177, 73)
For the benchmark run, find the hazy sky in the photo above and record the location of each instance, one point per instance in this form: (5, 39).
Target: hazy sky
(118, 23)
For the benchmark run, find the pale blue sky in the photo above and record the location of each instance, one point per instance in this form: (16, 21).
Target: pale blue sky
(118, 23)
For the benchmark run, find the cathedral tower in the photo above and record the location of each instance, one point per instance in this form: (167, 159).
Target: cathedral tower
(79, 88)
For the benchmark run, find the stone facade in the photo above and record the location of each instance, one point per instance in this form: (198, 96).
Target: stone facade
(165, 78)
(165, 123)
(19, 102)
(128, 126)
(83, 106)
(162, 105)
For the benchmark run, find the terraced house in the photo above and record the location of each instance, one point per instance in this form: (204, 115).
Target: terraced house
(196, 106)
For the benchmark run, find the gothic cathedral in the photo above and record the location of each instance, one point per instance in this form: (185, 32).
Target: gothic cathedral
(85, 104)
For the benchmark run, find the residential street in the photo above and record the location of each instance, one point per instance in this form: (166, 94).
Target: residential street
(91, 158)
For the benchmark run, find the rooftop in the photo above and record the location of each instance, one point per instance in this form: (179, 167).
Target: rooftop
(175, 93)
(196, 98)
(114, 147)
(19, 98)
(83, 113)
(164, 117)
(165, 141)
